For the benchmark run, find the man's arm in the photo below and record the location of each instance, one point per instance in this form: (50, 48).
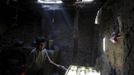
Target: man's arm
(52, 62)
(30, 59)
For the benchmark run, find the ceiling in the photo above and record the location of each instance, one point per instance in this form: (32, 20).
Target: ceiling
(11, 8)
(31, 4)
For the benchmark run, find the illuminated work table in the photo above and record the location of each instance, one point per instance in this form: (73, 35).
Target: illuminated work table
(81, 70)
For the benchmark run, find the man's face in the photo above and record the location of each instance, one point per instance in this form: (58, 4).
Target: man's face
(41, 45)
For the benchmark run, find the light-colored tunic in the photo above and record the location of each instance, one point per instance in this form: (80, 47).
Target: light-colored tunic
(37, 62)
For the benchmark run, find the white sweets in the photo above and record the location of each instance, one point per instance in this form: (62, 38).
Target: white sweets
(81, 70)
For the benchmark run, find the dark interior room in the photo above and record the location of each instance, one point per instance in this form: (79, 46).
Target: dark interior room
(66, 37)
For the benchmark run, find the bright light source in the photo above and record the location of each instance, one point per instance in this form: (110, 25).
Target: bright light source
(52, 7)
(87, 0)
(50, 1)
(97, 17)
(84, 1)
(96, 20)
(104, 44)
(81, 70)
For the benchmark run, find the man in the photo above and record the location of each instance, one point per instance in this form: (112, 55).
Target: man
(39, 59)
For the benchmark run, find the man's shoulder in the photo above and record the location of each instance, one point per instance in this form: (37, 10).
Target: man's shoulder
(44, 51)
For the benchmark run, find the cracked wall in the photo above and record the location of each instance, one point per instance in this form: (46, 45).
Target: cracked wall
(124, 9)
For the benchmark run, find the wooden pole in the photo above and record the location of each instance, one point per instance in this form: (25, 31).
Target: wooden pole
(76, 34)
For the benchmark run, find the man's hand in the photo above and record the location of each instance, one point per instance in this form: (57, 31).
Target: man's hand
(60, 66)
